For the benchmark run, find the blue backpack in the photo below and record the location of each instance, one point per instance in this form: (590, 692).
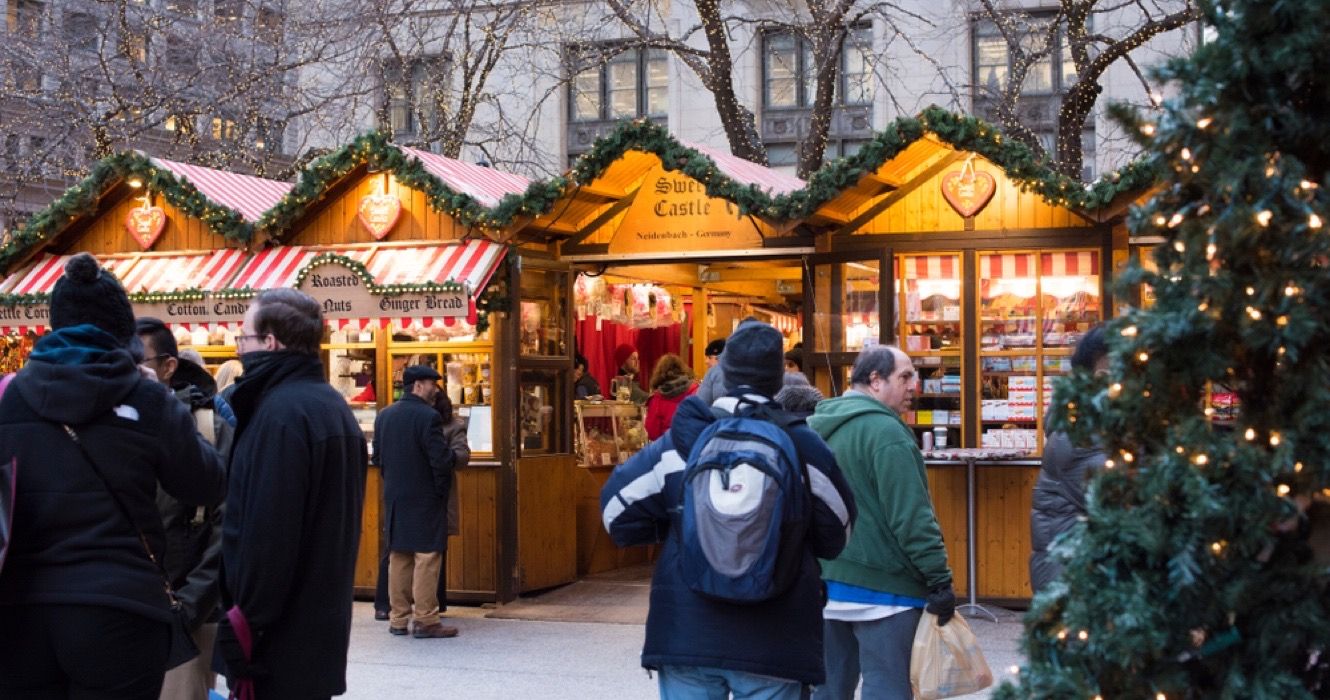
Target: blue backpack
(746, 507)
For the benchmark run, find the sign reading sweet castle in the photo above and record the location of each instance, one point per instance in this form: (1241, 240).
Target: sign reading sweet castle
(672, 212)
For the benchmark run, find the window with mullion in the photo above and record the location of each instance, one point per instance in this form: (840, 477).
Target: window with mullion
(790, 70)
(631, 83)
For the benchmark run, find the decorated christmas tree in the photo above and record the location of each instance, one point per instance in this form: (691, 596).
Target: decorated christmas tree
(1201, 571)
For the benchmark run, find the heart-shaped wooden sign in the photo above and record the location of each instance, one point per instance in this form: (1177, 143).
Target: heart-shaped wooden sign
(378, 213)
(145, 224)
(968, 191)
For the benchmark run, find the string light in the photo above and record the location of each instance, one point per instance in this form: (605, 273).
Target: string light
(1263, 217)
(1282, 490)
(1313, 221)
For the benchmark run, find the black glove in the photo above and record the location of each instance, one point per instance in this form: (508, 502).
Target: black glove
(228, 646)
(942, 602)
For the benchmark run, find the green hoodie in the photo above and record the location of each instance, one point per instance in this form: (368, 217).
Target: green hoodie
(896, 546)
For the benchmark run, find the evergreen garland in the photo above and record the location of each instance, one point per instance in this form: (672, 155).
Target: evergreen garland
(82, 198)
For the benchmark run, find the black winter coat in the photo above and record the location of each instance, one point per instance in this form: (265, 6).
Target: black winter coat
(71, 543)
(417, 464)
(781, 637)
(1059, 500)
(292, 523)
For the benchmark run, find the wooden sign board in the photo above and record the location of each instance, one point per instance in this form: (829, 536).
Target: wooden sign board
(25, 315)
(673, 213)
(343, 295)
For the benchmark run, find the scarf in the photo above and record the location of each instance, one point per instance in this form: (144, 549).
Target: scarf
(74, 345)
(674, 386)
(265, 370)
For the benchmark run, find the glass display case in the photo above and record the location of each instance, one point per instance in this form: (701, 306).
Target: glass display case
(351, 360)
(929, 310)
(544, 310)
(1033, 307)
(608, 432)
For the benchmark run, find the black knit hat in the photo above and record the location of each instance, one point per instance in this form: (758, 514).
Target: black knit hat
(754, 356)
(715, 348)
(88, 294)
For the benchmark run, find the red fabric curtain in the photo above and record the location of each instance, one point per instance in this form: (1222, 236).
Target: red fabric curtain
(597, 346)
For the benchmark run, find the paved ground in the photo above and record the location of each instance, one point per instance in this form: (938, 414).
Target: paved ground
(506, 659)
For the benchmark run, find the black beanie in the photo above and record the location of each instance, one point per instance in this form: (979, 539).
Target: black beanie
(754, 356)
(88, 294)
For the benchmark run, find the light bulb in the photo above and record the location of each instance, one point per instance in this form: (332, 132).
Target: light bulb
(1264, 216)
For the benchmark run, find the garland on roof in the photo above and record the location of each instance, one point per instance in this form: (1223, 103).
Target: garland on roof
(379, 154)
(82, 199)
(965, 133)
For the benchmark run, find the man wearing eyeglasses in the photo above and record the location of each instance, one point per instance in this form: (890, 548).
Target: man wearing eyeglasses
(292, 523)
(193, 554)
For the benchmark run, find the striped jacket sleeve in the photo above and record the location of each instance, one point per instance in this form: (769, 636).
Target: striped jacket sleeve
(635, 503)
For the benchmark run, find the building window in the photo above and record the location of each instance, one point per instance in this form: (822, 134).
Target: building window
(1047, 80)
(414, 92)
(224, 129)
(134, 47)
(228, 11)
(184, 7)
(789, 73)
(81, 33)
(269, 25)
(621, 85)
(28, 18)
(181, 56)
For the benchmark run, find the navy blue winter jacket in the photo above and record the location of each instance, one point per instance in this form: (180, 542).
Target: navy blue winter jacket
(781, 637)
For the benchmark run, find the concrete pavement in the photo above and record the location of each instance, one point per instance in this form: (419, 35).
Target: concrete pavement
(506, 659)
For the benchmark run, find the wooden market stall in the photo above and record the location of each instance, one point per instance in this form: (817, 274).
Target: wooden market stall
(173, 233)
(401, 249)
(986, 270)
(641, 214)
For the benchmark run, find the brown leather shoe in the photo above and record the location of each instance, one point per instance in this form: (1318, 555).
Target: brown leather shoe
(399, 631)
(435, 631)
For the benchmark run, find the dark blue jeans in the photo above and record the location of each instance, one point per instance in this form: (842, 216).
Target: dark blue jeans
(80, 652)
(879, 650)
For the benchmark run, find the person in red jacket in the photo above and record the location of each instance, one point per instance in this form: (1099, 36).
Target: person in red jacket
(671, 383)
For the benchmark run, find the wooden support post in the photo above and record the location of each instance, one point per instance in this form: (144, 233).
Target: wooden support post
(699, 331)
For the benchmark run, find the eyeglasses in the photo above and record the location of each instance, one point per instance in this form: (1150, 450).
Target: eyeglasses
(254, 336)
(156, 358)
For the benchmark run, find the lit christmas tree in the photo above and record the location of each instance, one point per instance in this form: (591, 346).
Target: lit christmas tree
(1202, 569)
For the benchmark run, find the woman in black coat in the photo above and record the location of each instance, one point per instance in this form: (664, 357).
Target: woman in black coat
(1059, 494)
(83, 610)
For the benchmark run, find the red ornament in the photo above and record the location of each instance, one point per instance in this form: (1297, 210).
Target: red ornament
(145, 224)
(968, 190)
(378, 213)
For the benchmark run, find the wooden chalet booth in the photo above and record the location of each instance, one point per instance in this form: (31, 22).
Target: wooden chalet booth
(642, 215)
(173, 233)
(986, 269)
(412, 265)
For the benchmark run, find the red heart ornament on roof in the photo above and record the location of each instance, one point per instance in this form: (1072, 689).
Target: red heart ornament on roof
(378, 213)
(968, 191)
(145, 224)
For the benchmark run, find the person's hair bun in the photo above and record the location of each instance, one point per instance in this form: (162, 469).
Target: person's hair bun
(82, 268)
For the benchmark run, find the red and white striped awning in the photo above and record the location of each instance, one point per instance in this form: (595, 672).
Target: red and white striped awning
(469, 264)
(931, 267)
(1006, 265)
(40, 276)
(247, 195)
(746, 172)
(170, 273)
(485, 185)
(1054, 264)
(280, 265)
(1069, 264)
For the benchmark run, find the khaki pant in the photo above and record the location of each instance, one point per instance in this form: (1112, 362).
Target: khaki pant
(193, 679)
(413, 578)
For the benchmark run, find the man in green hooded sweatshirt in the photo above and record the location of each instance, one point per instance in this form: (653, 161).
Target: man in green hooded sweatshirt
(895, 564)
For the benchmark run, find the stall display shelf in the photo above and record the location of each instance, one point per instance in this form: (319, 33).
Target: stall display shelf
(608, 432)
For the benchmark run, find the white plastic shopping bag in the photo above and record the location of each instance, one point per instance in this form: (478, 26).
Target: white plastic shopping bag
(946, 660)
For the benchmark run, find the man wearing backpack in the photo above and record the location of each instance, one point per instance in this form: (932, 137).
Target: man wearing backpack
(895, 563)
(725, 461)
